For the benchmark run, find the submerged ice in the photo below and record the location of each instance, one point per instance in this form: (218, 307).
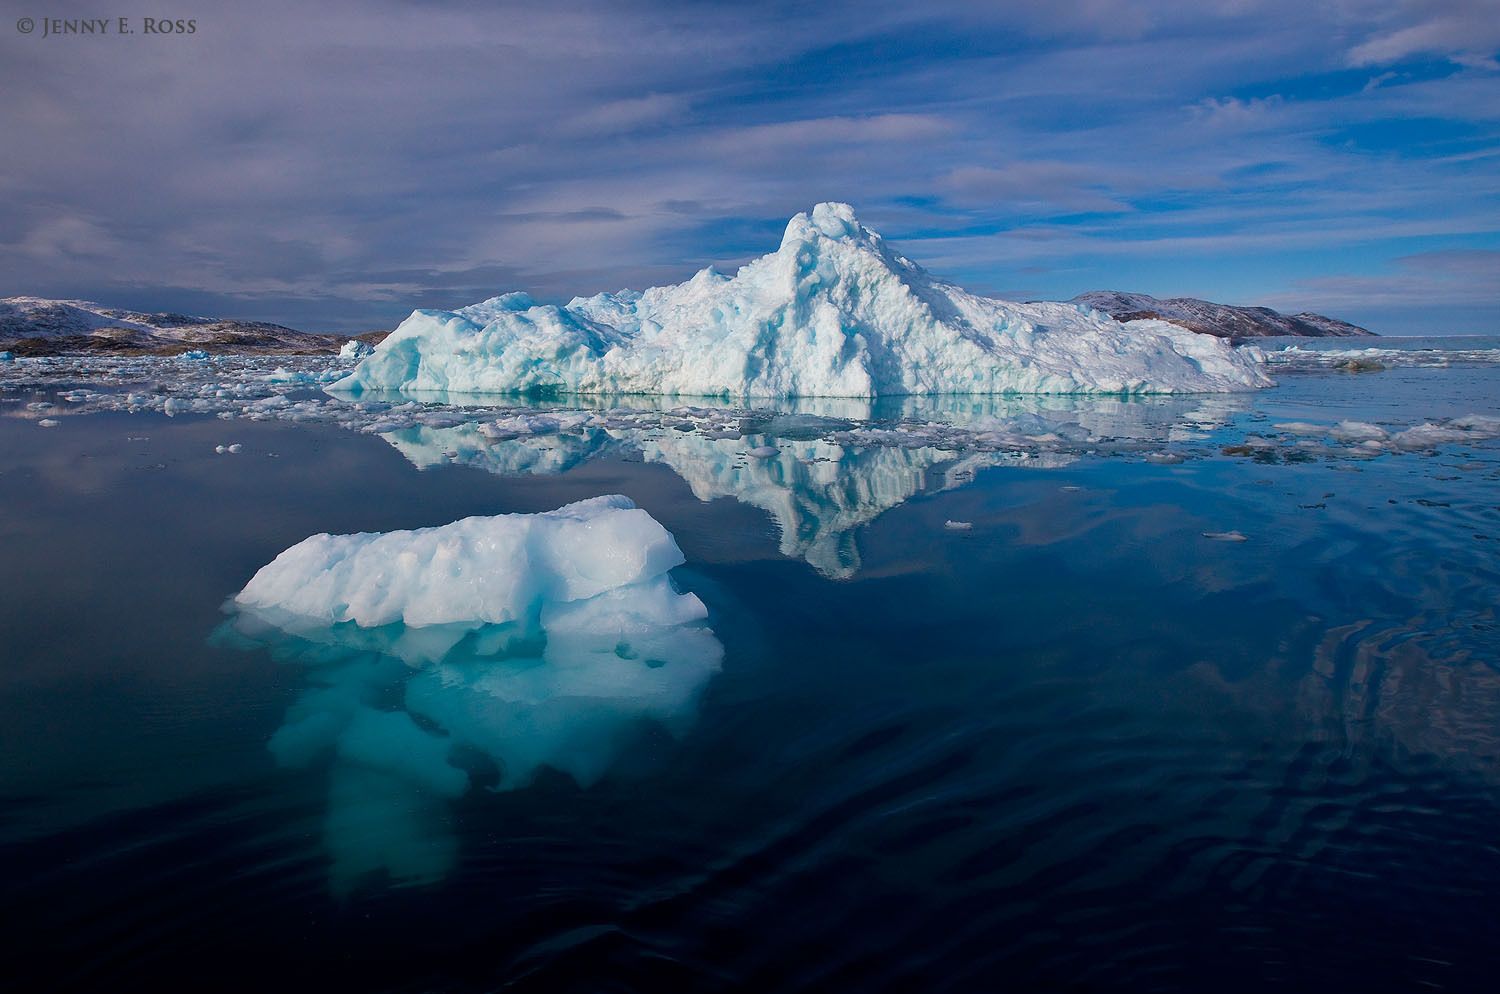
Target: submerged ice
(479, 652)
(833, 312)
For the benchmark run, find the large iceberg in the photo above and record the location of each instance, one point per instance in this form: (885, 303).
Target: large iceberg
(479, 652)
(833, 312)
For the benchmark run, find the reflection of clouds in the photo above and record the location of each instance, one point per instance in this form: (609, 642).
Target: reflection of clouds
(408, 716)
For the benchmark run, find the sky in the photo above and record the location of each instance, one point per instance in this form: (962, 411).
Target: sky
(334, 168)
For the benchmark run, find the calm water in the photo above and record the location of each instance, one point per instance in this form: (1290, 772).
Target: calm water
(1079, 746)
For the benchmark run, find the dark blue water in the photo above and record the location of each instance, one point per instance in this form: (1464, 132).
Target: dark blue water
(1077, 747)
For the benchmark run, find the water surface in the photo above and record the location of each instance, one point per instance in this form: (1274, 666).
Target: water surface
(1079, 745)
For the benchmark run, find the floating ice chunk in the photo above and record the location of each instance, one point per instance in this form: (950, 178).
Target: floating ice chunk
(1229, 536)
(1164, 458)
(48, 423)
(221, 449)
(958, 526)
(355, 349)
(1357, 431)
(235, 447)
(485, 570)
(833, 312)
(7, 357)
(194, 354)
(1478, 425)
(412, 672)
(762, 452)
(1301, 428)
(1428, 435)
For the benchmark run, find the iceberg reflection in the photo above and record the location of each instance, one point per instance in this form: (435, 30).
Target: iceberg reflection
(592, 641)
(820, 469)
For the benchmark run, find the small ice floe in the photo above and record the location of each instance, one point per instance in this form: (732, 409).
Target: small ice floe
(7, 357)
(1164, 458)
(762, 452)
(48, 423)
(355, 349)
(231, 449)
(1070, 489)
(1357, 431)
(1229, 536)
(1301, 428)
(194, 354)
(958, 526)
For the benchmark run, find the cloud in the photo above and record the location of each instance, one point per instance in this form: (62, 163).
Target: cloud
(342, 163)
(1464, 31)
(1052, 186)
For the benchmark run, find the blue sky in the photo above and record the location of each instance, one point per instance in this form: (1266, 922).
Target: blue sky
(334, 168)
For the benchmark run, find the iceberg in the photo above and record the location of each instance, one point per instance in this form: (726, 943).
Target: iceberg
(475, 653)
(833, 312)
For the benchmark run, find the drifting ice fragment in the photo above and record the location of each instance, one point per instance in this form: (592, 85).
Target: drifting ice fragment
(1229, 536)
(958, 526)
(531, 640)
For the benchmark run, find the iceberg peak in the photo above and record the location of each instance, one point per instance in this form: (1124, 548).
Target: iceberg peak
(827, 220)
(834, 312)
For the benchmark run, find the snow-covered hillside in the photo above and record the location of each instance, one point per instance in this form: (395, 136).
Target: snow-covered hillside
(833, 312)
(39, 326)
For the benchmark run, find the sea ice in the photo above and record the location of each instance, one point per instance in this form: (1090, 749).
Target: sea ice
(833, 312)
(528, 640)
(1229, 536)
(355, 349)
(484, 570)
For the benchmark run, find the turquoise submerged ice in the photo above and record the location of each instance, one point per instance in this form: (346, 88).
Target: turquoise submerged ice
(833, 312)
(531, 640)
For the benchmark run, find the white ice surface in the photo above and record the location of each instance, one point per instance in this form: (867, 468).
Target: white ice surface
(531, 640)
(833, 312)
(481, 570)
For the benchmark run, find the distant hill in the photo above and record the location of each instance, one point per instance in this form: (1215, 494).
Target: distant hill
(37, 326)
(1220, 320)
